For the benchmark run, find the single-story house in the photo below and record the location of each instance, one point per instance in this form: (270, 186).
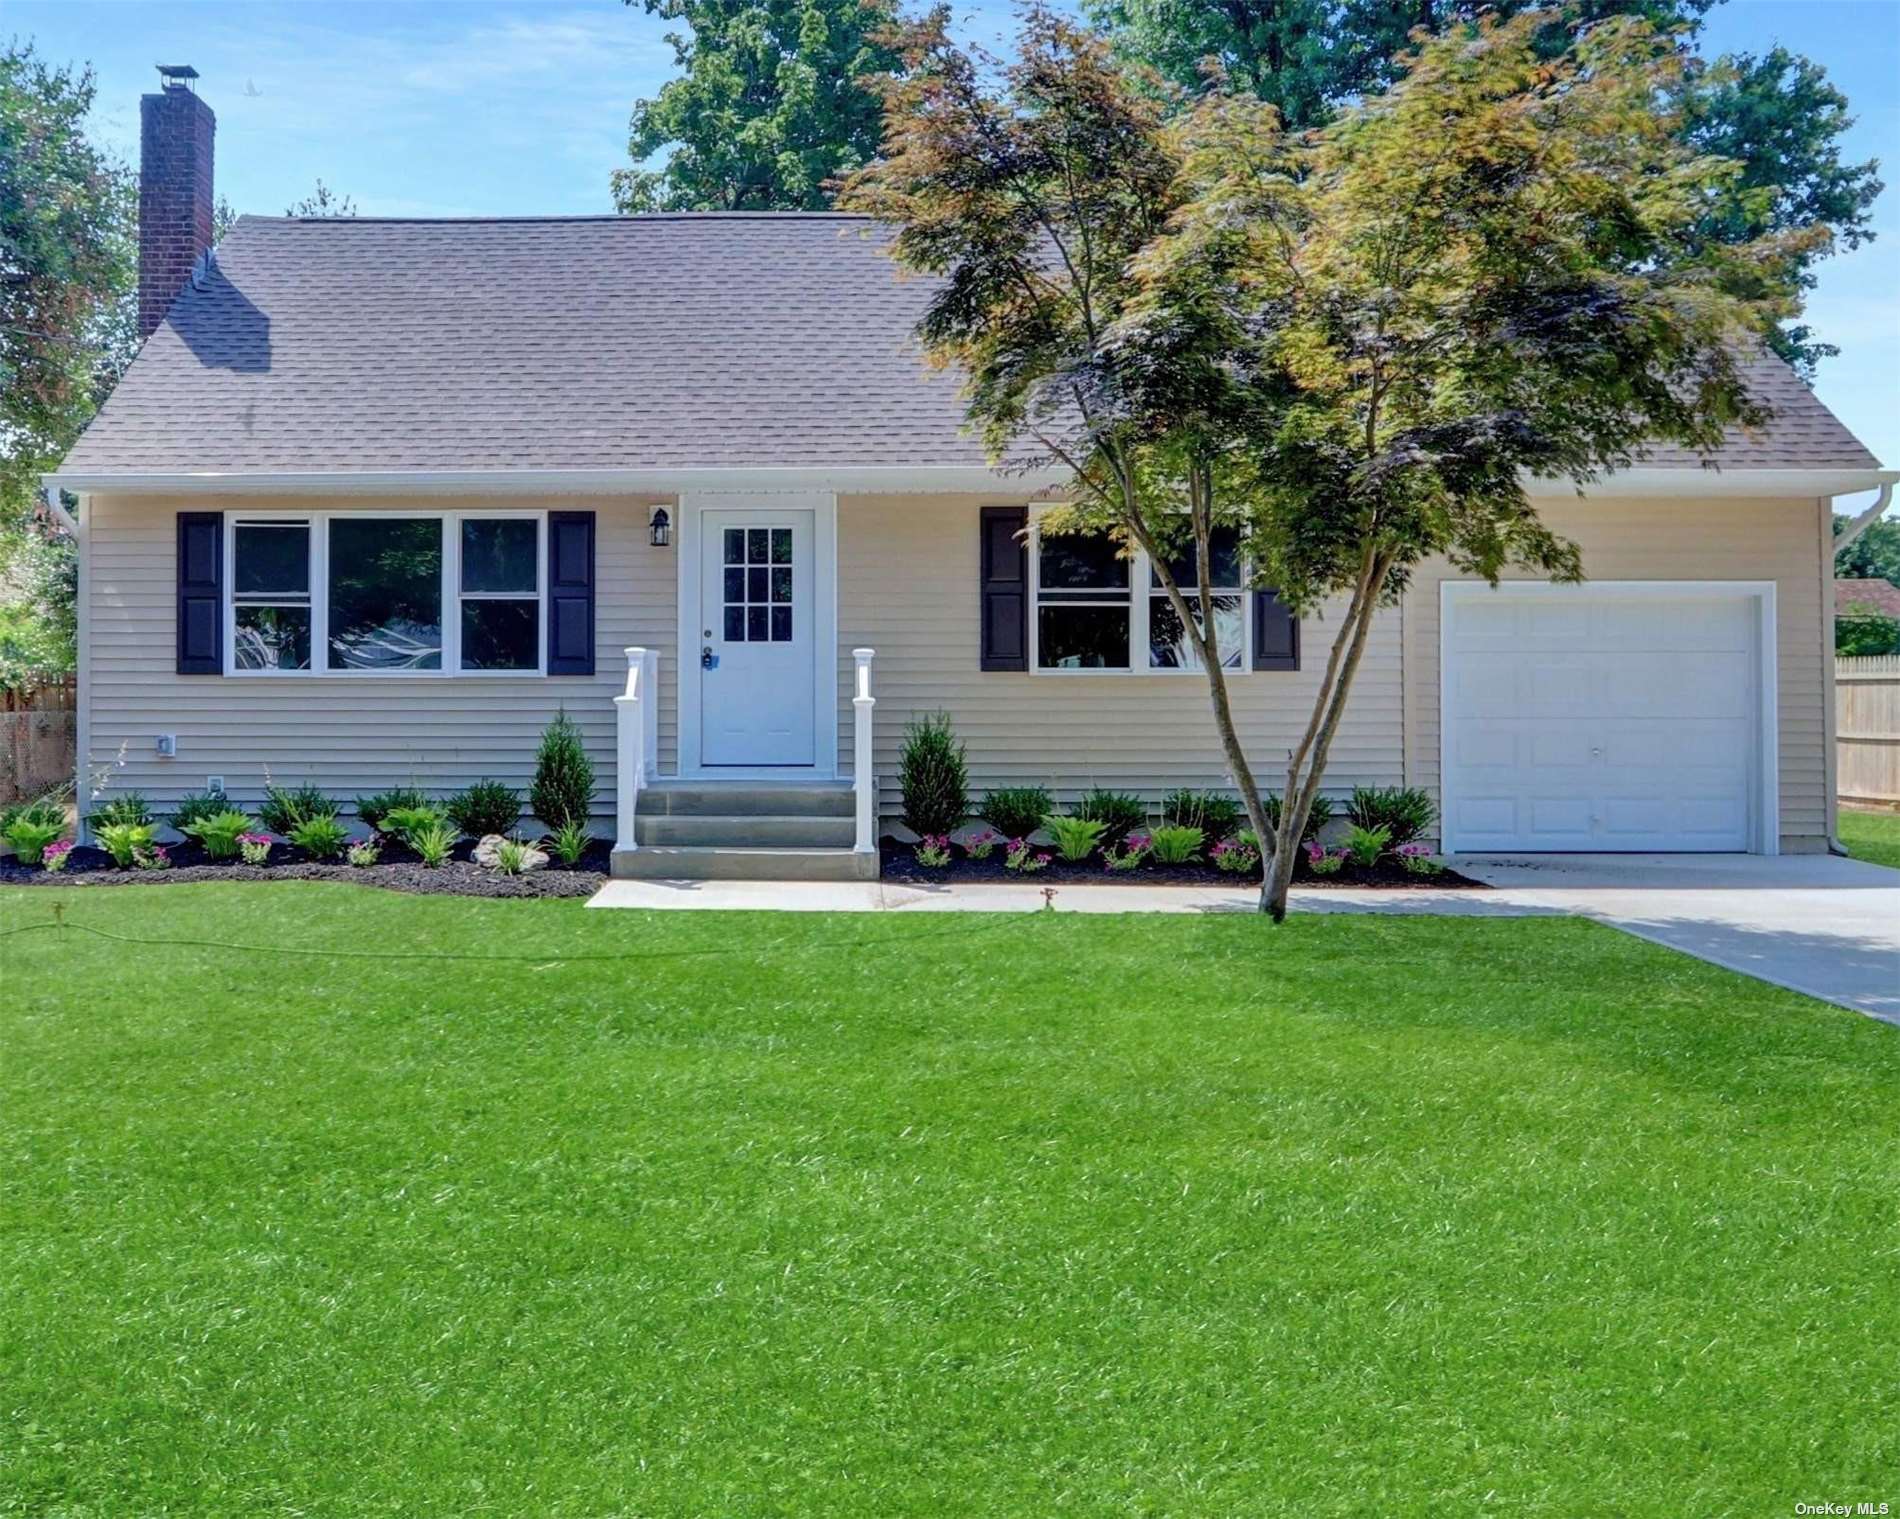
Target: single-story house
(378, 497)
(1866, 596)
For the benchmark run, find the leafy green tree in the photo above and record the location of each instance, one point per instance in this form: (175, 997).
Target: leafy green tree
(1775, 114)
(770, 107)
(1353, 343)
(1874, 555)
(1860, 629)
(324, 202)
(68, 266)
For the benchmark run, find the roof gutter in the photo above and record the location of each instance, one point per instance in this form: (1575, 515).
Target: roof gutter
(1866, 519)
(860, 479)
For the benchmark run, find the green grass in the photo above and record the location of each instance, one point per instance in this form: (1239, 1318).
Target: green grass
(1871, 836)
(850, 1216)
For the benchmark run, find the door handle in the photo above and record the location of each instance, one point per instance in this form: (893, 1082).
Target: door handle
(707, 659)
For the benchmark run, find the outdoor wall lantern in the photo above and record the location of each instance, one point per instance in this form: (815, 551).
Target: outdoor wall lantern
(661, 531)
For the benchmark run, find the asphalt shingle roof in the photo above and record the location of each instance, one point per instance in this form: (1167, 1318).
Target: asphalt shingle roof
(1883, 596)
(665, 342)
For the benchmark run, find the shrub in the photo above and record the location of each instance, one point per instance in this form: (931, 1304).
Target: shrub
(284, 810)
(1404, 812)
(255, 847)
(1016, 811)
(365, 852)
(407, 822)
(569, 842)
(933, 776)
(29, 837)
(1365, 845)
(433, 843)
(42, 810)
(1236, 856)
(1118, 813)
(1076, 837)
(219, 832)
(125, 842)
(1215, 813)
(320, 837)
(196, 808)
(1320, 815)
(978, 846)
(486, 807)
(933, 850)
(563, 789)
(1177, 845)
(121, 811)
(374, 808)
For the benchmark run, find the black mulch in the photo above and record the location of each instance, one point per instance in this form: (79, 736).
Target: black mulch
(398, 870)
(900, 864)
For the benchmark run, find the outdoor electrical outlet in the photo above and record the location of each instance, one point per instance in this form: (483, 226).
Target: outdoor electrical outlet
(167, 745)
(214, 785)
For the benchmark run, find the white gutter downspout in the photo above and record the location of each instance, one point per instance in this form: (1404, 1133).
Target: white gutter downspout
(82, 677)
(50, 496)
(1841, 540)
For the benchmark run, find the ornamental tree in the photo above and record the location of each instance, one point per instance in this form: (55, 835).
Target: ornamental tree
(1354, 344)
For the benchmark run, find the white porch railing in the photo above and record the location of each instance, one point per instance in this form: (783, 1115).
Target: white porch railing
(863, 782)
(637, 740)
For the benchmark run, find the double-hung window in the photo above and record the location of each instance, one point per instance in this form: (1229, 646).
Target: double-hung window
(1089, 615)
(387, 593)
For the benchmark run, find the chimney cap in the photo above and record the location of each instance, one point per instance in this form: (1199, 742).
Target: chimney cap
(177, 76)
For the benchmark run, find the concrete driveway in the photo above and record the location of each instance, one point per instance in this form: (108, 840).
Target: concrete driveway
(1815, 923)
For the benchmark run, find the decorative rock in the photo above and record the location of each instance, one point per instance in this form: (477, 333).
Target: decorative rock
(488, 853)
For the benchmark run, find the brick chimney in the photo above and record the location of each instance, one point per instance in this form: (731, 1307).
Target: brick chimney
(175, 131)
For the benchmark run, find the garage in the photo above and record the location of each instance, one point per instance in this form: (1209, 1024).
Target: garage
(1628, 717)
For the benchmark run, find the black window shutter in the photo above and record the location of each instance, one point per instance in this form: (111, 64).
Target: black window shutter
(570, 593)
(1004, 588)
(1276, 633)
(201, 593)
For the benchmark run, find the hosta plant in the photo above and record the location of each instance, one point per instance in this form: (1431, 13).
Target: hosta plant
(933, 850)
(1176, 845)
(219, 832)
(30, 836)
(125, 842)
(322, 838)
(1075, 837)
(407, 822)
(1366, 845)
(378, 805)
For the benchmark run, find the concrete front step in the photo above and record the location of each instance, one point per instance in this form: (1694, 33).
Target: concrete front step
(747, 831)
(698, 863)
(746, 799)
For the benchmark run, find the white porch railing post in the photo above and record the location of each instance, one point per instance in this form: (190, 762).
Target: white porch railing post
(650, 707)
(863, 782)
(630, 751)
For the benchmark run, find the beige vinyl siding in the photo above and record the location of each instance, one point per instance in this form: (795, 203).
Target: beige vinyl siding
(1733, 539)
(348, 734)
(907, 587)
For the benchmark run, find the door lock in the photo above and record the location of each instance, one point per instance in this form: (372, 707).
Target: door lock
(707, 659)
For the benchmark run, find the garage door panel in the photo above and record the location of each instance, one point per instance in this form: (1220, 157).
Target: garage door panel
(1614, 723)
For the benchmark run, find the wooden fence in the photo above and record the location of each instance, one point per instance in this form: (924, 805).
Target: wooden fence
(1867, 728)
(38, 735)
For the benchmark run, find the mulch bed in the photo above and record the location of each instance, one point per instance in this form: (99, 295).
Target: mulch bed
(398, 870)
(900, 865)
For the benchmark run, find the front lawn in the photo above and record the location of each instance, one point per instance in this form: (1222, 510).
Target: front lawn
(705, 1214)
(1871, 836)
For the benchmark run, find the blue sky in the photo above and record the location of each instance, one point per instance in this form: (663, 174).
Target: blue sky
(515, 107)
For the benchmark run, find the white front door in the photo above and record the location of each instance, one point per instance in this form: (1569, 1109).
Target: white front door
(757, 637)
(1601, 719)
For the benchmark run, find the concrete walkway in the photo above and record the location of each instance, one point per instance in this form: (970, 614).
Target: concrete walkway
(1823, 926)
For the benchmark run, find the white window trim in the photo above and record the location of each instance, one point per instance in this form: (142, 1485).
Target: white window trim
(1141, 591)
(451, 590)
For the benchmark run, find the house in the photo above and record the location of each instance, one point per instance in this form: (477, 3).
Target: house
(1867, 597)
(379, 497)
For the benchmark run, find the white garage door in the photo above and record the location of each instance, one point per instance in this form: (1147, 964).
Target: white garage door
(1590, 719)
